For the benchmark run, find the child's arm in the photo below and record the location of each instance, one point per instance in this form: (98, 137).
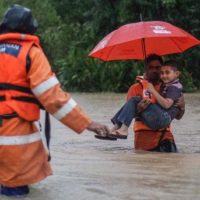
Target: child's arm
(164, 102)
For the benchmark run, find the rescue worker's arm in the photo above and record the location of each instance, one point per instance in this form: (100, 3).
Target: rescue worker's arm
(99, 129)
(60, 104)
(164, 102)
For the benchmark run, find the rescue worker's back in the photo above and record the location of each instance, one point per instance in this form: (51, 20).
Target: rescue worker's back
(23, 158)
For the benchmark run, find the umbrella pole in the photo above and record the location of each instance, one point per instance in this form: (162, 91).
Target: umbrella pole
(141, 18)
(144, 51)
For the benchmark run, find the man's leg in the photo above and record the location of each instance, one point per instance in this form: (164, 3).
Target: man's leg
(166, 146)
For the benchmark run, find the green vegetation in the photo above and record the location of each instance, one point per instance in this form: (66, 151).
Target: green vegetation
(70, 29)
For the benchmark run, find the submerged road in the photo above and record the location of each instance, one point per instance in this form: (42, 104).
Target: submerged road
(89, 169)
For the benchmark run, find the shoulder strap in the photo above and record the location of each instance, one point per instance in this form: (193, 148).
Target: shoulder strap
(8, 86)
(47, 131)
(28, 63)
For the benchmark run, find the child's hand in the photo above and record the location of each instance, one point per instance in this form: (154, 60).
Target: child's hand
(150, 87)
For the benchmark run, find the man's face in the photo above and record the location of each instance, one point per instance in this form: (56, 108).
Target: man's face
(153, 71)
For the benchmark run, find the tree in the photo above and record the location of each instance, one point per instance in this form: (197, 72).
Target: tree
(70, 29)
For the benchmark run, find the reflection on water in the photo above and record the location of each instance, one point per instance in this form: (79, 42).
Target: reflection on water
(86, 168)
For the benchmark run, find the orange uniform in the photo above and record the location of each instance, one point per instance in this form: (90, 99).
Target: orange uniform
(23, 158)
(144, 137)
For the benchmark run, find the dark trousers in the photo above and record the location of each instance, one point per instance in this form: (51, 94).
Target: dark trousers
(153, 116)
(166, 146)
(14, 191)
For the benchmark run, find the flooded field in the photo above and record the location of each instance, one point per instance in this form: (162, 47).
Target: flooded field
(89, 169)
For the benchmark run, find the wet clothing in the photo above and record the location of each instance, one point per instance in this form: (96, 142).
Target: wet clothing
(23, 158)
(144, 137)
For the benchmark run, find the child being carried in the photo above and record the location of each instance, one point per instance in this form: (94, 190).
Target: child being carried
(156, 115)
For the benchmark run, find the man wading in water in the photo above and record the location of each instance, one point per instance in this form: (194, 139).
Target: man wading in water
(144, 137)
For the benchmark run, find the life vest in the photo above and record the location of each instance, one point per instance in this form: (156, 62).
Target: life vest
(15, 93)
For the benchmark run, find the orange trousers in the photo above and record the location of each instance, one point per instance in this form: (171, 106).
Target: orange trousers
(22, 164)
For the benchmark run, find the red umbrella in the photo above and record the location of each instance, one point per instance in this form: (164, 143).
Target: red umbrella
(136, 40)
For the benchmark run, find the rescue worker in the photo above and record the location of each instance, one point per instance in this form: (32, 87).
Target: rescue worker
(144, 137)
(27, 79)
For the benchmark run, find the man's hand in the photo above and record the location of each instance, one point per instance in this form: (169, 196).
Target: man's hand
(100, 129)
(142, 105)
(180, 103)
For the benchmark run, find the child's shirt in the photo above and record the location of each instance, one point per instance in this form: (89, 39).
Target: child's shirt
(172, 90)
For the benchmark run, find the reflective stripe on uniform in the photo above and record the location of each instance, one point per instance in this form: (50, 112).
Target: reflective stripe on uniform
(67, 108)
(44, 86)
(19, 140)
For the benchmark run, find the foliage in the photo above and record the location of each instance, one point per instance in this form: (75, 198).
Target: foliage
(70, 29)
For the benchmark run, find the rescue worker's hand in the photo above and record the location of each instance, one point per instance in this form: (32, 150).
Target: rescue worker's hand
(180, 103)
(142, 105)
(99, 129)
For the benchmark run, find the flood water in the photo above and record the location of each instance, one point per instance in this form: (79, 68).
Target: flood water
(86, 168)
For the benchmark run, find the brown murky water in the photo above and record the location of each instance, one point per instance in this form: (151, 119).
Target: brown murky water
(86, 168)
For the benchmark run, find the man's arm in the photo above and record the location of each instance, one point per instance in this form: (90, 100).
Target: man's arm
(180, 103)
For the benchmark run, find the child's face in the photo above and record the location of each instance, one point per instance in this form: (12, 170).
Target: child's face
(168, 74)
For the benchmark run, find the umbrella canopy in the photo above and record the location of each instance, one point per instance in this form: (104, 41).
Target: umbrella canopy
(136, 40)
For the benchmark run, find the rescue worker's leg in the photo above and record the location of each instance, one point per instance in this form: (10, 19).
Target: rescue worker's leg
(21, 163)
(15, 191)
